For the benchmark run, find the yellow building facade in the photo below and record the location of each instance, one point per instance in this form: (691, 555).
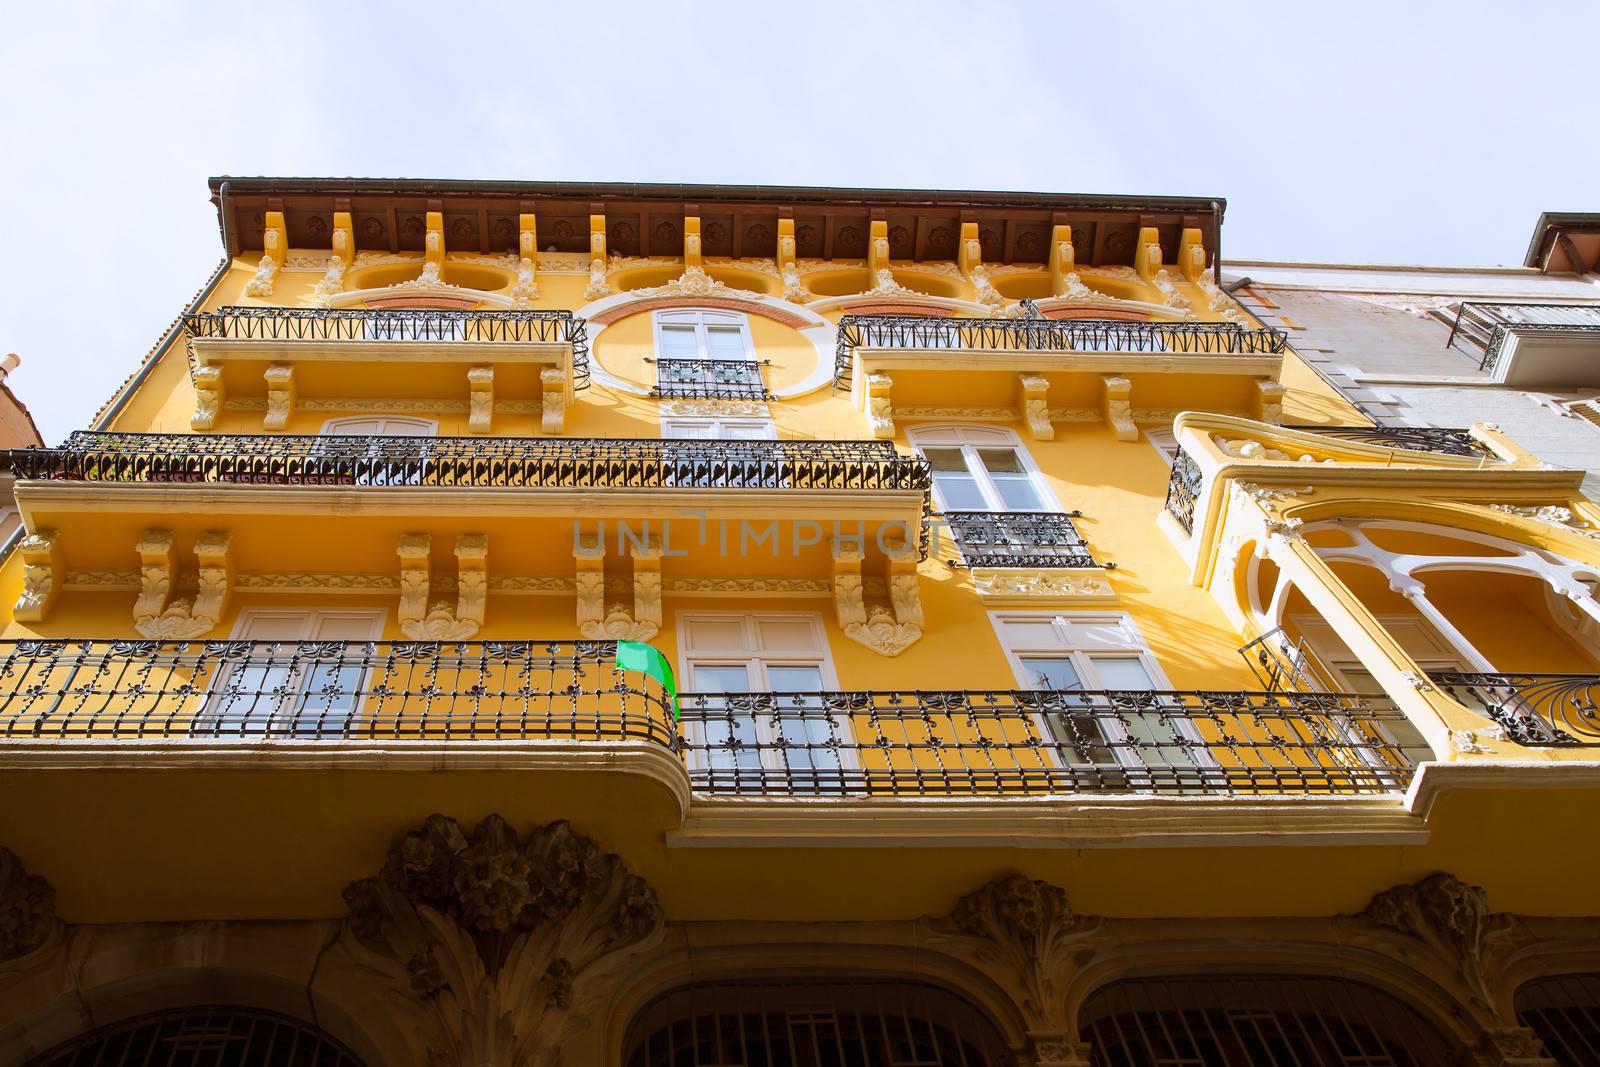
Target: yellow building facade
(1065, 672)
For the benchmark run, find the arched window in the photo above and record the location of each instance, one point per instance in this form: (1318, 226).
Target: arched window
(380, 426)
(820, 1024)
(204, 1037)
(705, 354)
(1256, 1021)
(1565, 1013)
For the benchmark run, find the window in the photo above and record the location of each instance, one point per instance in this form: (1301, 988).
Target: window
(708, 428)
(278, 688)
(1083, 652)
(706, 354)
(1336, 666)
(739, 735)
(393, 426)
(1164, 440)
(982, 469)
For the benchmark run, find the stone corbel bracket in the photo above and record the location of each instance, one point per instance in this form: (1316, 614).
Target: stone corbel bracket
(42, 575)
(1147, 257)
(969, 260)
(441, 622)
(886, 632)
(880, 405)
(343, 254)
(155, 614)
(1119, 407)
(1269, 401)
(209, 396)
(525, 290)
(1192, 254)
(597, 259)
(788, 269)
(280, 396)
(1036, 407)
(553, 400)
(433, 240)
(1063, 260)
(275, 245)
(598, 622)
(480, 399)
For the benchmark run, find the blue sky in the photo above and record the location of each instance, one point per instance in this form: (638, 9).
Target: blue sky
(1365, 132)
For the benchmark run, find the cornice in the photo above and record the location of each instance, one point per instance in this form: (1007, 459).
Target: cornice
(1433, 780)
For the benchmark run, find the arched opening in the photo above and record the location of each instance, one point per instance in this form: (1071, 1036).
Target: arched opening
(211, 1036)
(1565, 1012)
(818, 1023)
(1257, 1021)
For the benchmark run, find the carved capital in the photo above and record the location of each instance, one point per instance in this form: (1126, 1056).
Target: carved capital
(27, 909)
(511, 941)
(1511, 1046)
(1057, 1049)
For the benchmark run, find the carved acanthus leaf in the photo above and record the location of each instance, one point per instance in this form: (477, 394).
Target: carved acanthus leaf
(27, 908)
(502, 937)
(1446, 918)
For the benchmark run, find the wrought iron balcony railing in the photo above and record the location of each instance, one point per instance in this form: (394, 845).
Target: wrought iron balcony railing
(1489, 324)
(1444, 442)
(327, 690)
(1183, 489)
(1048, 335)
(528, 462)
(1533, 709)
(1042, 742)
(1017, 539)
(396, 324)
(710, 379)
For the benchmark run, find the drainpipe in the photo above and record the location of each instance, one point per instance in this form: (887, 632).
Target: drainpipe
(1216, 255)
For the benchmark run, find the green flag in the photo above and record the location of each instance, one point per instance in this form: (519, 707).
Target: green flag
(638, 656)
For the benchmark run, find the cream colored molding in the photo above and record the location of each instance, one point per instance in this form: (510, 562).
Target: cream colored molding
(965, 414)
(1030, 586)
(694, 281)
(1170, 295)
(1078, 415)
(42, 575)
(344, 251)
(280, 396)
(480, 399)
(715, 587)
(315, 582)
(155, 614)
(386, 405)
(553, 399)
(1554, 514)
(209, 395)
(1269, 401)
(1220, 303)
(441, 622)
(103, 581)
(1119, 407)
(617, 622)
(755, 409)
(886, 632)
(275, 242)
(1036, 407)
(880, 407)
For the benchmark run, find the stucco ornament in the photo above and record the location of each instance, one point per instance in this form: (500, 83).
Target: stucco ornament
(597, 280)
(501, 937)
(694, 281)
(27, 908)
(1445, 920)
(1023, 933)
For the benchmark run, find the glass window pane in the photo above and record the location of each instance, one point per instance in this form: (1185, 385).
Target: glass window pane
(1122, 672)
(1001, 461)
(678, 342)
(729, 732)
(725, 342)
(945, 459)
(1017, 493)
(959, 492)
(1051, 672)
(721, 679)
(810, 734)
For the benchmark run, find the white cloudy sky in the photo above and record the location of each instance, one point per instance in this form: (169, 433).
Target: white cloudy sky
(1354, 131)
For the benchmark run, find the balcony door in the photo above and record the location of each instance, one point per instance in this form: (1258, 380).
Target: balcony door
(292, 672)
(1332, 659)
(982, 468)
(757, 716)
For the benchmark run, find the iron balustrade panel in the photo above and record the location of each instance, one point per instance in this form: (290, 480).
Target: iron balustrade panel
(1533, 709)
(326, 690)
(397, 324)
(204, 1036)
(1017, 539)
(520, 462)
(1049, 335)
(1183, 489)
(1492, 324)
(1445, 442)
(946, 743)
(1564, 1010)
(710, 379)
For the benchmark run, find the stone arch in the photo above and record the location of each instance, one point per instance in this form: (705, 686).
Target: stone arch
(266, 1038)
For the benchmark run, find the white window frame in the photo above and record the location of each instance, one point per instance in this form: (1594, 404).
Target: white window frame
(1081, 658)
(755, 662)
(700, 319)
(672, 427)
(969, 440)
(1165, 441)
(420, 427)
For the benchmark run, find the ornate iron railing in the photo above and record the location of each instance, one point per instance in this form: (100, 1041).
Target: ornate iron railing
(397, 324)
(1490, 324)
(1532, 709)
(1048, 335)
(1445, 442)
(527, 462)
(1183, 489)
(1017, 539)
(710, 379)
(1043, 741)
(326, 690)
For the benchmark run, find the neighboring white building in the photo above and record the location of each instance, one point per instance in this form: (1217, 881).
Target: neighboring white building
(1525, 350)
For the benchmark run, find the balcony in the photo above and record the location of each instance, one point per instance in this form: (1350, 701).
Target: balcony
(1017, 539)
(710, 379)
(967, 743)
(1529, 345)
(273, 358)
(1437, 440)
(1532, 709)
(899, 362)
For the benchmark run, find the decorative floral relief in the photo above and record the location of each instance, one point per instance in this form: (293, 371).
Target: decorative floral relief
(1554, 514)
(27, 908)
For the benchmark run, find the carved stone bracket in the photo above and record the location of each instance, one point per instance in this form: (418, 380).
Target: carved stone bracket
(1119, 407)
(155, 614)
(1192, 254)
(27, 909)
(880, 407)
(507, 941)
(440, 621)
(1063, 261)
(42, 575)
(280, 396)
(275, 245)
(1036, 407)
(1269, 401)
(887, 632)
(480, 399)
(617, 622)
(1025, 936)
(1147, 254)
(553, 400)
(209, 397)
